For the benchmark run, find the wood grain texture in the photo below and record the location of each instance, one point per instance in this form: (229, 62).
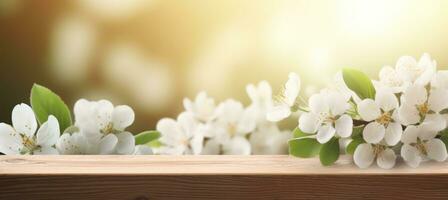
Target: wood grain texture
(212, 177)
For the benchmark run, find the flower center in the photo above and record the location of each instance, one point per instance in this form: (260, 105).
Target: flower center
(327, 118)
(423, 109)
(108, 129)
(29, 144)
(420, 145)
(385, 118)
(231, 129)
(378, 149)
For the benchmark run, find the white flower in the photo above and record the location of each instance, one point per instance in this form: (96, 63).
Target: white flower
(202, 108)
(419, 106)
(72, 144)
(366, 153)
(440, 80)
(183, 136)
(382, 118)
(420, 72)
(420, 144)
(327, 116)
(22, 138)
(261, 97)
(287, 99)
(392, 80)
(104, 125)
(232, 124)
(142, 150)
(269, 140)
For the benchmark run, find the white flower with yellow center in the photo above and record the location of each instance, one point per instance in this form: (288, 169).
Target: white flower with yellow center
(183, 136)
(21, 137)
(285, 103)
(382, 118)
(203, 107)
(420, 144)
(421, 106)
(232, 124)
(366, 153)
(72, 144)
(420, 72)
(327, 116)
(104, 125)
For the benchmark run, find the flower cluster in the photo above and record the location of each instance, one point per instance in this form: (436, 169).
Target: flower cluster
(403, 114)
(229, 127)
(99, 128)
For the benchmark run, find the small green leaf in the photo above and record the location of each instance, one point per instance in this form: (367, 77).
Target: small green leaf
(155, 144)
(146, 137)
(304, 147)
(351, 147)
(357, 131)
(46, 103)
(329, 152)
(297, 133)
(359, 83)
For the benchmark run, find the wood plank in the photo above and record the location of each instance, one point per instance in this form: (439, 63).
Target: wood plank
(212, 177)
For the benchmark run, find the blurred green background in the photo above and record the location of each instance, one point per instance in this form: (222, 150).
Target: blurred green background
(149, 54)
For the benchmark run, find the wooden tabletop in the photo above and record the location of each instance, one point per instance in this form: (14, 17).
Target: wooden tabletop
(213, 177)
(198, 165)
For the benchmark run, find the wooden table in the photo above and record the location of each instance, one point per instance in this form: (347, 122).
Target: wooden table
(212, 177)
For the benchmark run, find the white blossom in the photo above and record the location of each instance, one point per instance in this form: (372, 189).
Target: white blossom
(232, 125)
(420, 144)
(73, 144)
(181, 136)
(104, 125)
(327, 116)
(382, 118)
(21, 137)
(203, 107)
(366, 153)
(286, 101)
(269, 140)
(418, 72)
(261, 97)
(419, 105)
(391, 79)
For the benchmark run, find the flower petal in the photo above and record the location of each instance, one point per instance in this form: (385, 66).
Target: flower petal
(368, 110)
(24, 120)
(410, 134)
(325, 133)
(386, 100)
(415, 95)
(48, 133)
(278, 113)
(10, 140)
(373, 132)
(386, 159)
(363, 155)
(436, 150)
(410, 155)
(122, 117)
(309, 122)
(237, 146)
(434, 123)
(142, 150)
(344, 126)
(107, 144)
(408, 114)
(125, 144)
(318, 103)
(438, 99)
(196, 143)
(292, 88)
(393, 134)
(187, 123)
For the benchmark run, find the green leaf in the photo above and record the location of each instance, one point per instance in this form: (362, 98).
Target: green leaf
(297, 133)
(329, 152)
(146, 137)
(304, 147)
(46, 103)
(357, 131)
(155, 144)
(351, 147)
(359, 83)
